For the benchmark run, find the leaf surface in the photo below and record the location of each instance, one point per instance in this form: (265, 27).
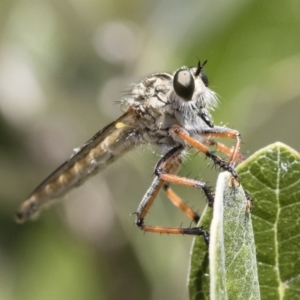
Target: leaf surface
(272, 177)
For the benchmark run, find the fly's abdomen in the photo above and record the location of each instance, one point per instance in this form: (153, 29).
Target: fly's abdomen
(95, 155)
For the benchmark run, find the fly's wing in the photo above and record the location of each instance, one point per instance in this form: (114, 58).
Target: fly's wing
(108, 144)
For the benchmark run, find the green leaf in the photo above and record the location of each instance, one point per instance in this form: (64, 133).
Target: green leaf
(199, 268)
(232, 265)
(272, 176)
(233, 269)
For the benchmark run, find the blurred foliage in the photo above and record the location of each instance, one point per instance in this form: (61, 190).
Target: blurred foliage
(63, 66)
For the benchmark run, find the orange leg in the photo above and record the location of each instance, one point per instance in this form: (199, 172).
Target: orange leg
(223, 132)
(178, 131)
(222, 148)
(177, 201)
(165, 170)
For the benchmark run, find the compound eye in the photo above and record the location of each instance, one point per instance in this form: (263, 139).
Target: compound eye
(204, 78)
(184, 84)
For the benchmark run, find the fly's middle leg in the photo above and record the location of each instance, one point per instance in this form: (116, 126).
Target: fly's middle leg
(165, 172)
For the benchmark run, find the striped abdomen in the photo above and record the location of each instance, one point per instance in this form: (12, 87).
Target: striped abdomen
(108, 144)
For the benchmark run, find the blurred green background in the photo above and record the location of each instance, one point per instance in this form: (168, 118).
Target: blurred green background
(63, 66)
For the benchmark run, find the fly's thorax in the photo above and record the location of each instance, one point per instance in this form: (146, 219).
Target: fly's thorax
(155, 124)
(154, 112)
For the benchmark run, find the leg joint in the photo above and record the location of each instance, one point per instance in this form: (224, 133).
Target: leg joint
(139, 223)
(158, 170)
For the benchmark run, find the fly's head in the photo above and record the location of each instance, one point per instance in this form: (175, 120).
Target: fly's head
(163, 99)
(191, 93)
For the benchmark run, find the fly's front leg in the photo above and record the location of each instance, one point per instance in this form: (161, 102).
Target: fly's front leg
(223, 148)
(224, 132)
(178, 131)
(164, 170)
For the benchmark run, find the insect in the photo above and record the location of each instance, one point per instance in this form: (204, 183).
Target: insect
(171, 111)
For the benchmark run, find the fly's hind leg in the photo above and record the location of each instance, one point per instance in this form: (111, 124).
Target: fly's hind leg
(177, 201)
(164, 171)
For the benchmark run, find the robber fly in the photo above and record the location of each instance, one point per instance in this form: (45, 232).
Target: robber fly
(171, 111)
